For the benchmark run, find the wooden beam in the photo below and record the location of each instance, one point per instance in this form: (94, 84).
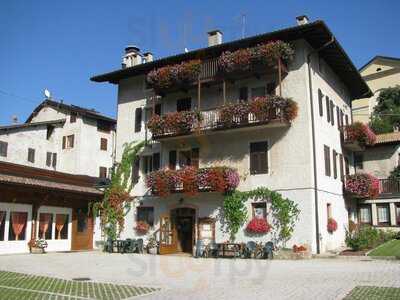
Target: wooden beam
(224, 90)
(199, 94)
(280, 76)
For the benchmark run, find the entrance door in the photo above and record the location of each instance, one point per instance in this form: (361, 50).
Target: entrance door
(82, 230)
(167, 235)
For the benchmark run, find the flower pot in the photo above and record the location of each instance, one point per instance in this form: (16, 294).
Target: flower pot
(36, 250)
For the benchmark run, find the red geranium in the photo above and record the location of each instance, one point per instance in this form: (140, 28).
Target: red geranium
(332, 225)
(258, 225)
(297, 249)
(142, 227)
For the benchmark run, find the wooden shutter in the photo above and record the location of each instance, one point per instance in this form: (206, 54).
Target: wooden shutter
(135, 171)
(3, 148)
(338, 117)
(172, 160)
(195, 157)
(334, 164)
(341, 167)
(64, 141)
(243, 93)
(341, 118)
(138, 119)
(347, 119)
(54, 164)
(48, 159)
(332, 113)
(346, 166)
(259, 158)
(327, 157)
(156, 161)
(72, 139)
(31, 155)
(320, 104)
(328, 115)
(184, 104)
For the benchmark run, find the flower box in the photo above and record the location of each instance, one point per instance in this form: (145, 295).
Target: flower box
(362, 185)
(258, 226)
(359, 134)
(37, 246)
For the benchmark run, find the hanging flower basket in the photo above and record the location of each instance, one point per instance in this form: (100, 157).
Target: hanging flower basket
(142, 227)
(258, 226)
(362, 185)
(332, 225)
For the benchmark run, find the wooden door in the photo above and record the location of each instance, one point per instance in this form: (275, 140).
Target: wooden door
(168, 243)
(82, 230)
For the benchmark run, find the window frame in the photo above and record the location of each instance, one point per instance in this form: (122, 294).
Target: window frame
(368, 206)
(3, 148)
(103, 144)
(147, 209)
(358, 164)
(261, 204)
(386, 206)
(334, 159)
(320, 103)
(31, 155)
(259, 171)
(327, 160)
(102, 172)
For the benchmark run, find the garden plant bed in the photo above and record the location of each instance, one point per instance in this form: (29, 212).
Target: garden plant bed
(353, 253)
(373, 292)
(390, 248)
(23, 286)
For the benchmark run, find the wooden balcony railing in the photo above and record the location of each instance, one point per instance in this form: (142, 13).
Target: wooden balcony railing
(389, 187)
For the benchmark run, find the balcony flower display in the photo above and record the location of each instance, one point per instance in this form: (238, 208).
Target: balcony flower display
(244, 59)
(361, 133)
(258, 226)
(179, 74)
(192, 180)
(156, 125)
(142, 227)
(332, 225)
(234, 113)
(173, 123)
(362, 185)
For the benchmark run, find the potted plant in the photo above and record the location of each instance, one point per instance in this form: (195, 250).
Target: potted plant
(258, 226)
(332, 225)
(37, 246)
(142, 227)
(152, 246)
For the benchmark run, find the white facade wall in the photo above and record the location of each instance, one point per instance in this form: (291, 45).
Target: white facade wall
(290, 155)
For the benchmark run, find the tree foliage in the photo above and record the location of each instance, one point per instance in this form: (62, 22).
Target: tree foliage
(386, 114)
(117, 201)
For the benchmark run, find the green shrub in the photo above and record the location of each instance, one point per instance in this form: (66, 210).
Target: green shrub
(365, 237)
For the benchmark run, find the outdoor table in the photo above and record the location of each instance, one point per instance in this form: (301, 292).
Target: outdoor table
(233, 248)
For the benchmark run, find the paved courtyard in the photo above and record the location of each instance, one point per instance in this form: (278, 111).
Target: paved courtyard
(186, 277)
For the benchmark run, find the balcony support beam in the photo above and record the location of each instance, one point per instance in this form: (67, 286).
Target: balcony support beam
(199, 94)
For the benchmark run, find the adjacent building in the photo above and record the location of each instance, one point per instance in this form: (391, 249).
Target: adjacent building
(379, 73)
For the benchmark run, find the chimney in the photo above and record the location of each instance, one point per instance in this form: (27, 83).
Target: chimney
(214, 37)
(132, 57)
(302, 20)
(148, 56)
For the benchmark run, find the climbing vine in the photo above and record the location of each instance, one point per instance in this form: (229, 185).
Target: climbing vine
(116, 202)
(284, 212)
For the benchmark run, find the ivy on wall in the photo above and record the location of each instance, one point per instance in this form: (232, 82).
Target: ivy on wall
(117, 201)
(284, 212)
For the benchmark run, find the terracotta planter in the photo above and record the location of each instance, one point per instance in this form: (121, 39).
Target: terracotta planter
(37, 250)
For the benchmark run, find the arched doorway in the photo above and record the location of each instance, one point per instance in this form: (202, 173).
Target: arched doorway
(184, 221)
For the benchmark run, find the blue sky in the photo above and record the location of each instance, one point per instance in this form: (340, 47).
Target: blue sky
(59, 45)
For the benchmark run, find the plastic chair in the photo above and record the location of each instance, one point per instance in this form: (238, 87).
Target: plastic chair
(200, 249)
(212, 250)
(268, 250)
(139, 245)
(249, 249)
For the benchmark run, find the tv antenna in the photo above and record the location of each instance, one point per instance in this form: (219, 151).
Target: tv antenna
(47, 94)
(243, 25)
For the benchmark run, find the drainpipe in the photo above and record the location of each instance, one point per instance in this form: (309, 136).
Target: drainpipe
(317, 233)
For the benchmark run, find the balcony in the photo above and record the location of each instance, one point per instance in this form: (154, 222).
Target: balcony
(389, 188)
(262, 112)
(357, 136)
(366, 186)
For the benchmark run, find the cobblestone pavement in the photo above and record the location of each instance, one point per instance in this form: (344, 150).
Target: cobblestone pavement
(189, 278)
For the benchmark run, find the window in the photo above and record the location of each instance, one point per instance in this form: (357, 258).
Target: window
(81, 220)
(259, 210)
(147, 164)
(102, 172)
(184, 104)
(327, 158)
(61, 227)
(138, 119)
(45, 226)
(358, 161)
(383, 212)
(157, 109)
(341, 167)
(341, 118)
(185, 158)
(258, 92)
(364, 214)
(135, 171)
(31, 155)
(320, 104)
(54, 163)
(328, 115)
(206, 230)
(68, 142)
(346, 166)
(334, 156)
(271, 88)
(104, 126)
(3, 215)
(48, 159)
(145, 214)
(3, 148)
(172, 160)
(243, 93)
(347, 119)
(329, 210)
(332, 113)
(156, 161)
(338, 117)
(103, 144)
(398, 214)
(259, 158)
(50, 130)
(17, 228)
(72, 117)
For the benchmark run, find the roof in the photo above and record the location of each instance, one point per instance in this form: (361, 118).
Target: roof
(90, 113)
(376, 58)
(315, 33)
(47, 179)
(385, 138)
(27, 125)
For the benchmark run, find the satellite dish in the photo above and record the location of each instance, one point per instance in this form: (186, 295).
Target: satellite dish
(47, 94)
(186, 50)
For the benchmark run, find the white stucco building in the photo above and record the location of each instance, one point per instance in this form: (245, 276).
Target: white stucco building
(304, 160)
